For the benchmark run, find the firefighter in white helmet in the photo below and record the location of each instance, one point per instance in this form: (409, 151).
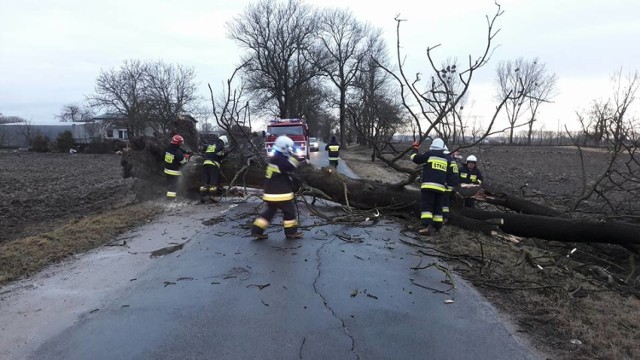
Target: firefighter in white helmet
(435, 172)
(278, 191)
(470, 174)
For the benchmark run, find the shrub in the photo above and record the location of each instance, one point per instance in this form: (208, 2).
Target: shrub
(40, 143)
(64, 142)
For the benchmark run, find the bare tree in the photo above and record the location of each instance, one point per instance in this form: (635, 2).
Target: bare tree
(428, 106)
(121, 92)
(342, 43)
(617, 189)
(75, 113)
(28, 132)
(278, 38)
(444, 91)
(543, 90)
(143, 95)
(170, 90)
(525, 84)
(230, 107)
(374, 108)
(11, 119)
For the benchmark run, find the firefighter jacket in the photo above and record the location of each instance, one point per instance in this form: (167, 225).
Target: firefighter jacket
(334, 151)
(173, 160)
(453, 177)
(278, 185)
(213, 153)
(436, 170)
(468, 176)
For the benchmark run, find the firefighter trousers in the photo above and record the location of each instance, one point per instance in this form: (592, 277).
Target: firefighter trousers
(431, 208)
(172, 185)
(289, 222)
(210, 179)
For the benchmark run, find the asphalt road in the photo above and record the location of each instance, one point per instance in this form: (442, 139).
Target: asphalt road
(321, 159)
(339, 293)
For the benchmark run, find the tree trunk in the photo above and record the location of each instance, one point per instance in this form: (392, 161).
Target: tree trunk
(562, 229)
(145, 159)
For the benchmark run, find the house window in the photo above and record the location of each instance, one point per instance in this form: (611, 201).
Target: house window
(110, 134)
(122, 134)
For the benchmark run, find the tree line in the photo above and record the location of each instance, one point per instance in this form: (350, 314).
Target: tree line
(337, 71)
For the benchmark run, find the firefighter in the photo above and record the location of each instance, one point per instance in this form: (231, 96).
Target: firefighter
(435, 172)
(453, 179)
(174, 158)
(470, 174)
(213, 154)
(334, 151)
(278, 191)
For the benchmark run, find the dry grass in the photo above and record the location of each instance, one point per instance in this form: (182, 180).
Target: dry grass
(552, 306)
(25, 256)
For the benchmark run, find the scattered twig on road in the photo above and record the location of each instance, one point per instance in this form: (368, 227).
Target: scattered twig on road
(258, 286)
(446, 292)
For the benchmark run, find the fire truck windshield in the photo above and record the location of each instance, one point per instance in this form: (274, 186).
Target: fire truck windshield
(285, 130)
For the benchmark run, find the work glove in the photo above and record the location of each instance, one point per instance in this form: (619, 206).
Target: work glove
(416, 145)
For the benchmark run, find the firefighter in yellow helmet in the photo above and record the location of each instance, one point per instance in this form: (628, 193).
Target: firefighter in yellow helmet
(278, 191)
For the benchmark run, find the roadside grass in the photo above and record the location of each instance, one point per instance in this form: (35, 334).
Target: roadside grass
(28, 255)
(555, 305)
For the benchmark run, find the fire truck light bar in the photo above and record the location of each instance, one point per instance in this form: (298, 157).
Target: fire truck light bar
(286, 120)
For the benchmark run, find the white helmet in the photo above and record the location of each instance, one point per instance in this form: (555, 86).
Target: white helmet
(437, 144)
(446, 150)
(283, 144)
(471, 158)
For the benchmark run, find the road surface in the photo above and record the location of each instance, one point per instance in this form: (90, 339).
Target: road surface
(339, 293)
(321, 159)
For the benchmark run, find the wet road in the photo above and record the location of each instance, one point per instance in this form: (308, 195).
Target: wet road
(321, 159)
(339, 293)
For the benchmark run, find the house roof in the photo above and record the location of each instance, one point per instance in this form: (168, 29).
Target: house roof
(107, 116)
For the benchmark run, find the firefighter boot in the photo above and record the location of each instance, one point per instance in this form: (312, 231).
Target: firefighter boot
(296, 235)
(212, 193)
(426, 231)
(203, 194)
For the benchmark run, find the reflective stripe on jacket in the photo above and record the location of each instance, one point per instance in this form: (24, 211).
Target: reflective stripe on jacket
(213, 154)
(173, 159)
(436, 170)
(468, 176)
(278, 185)
(334, 151)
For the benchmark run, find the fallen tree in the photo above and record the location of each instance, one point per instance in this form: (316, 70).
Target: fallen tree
(241, 168)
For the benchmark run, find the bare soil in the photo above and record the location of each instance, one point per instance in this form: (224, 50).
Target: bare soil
(56, 205)
(558, 297)
(42, 191)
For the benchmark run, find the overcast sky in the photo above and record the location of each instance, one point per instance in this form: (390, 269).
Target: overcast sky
(51, 51)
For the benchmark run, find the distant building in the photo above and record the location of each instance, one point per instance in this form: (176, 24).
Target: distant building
(108, 126)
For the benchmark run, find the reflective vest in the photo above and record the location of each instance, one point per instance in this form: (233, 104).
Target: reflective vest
(334, 151)
(213, 154)
(173, 160)
(278, 185)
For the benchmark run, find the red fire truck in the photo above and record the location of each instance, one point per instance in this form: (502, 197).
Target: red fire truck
(296, 129)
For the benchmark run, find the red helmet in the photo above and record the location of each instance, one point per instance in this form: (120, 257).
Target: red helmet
(177, 139)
